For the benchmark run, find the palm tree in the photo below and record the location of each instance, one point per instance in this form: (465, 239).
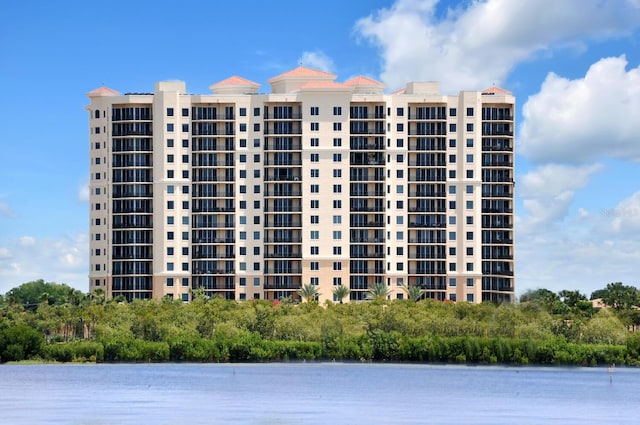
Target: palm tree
(308, 292)
(378, 292)
(340, 292)
(414, 292)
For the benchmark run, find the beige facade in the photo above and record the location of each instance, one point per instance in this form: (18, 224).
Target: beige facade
(250, 195)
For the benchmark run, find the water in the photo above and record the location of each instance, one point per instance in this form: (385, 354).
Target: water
(316, 393)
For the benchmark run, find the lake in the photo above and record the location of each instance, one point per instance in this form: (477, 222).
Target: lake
(316, 393)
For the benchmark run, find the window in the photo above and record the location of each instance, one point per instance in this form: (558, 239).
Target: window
(469, 219)
(315, 126)
(337, 204)
(452, 250)
(185, 189)
(170, 267)
(315, 188)
(469, 112)
(452, 267)
(185, 159)
(169, 143)
(256, 143)
(243, 205)
(315, 203)
(469, 205)
(169, 205)
(243, 112)
(315, 235)
(337, 110)
(256, 236)
(337, 235)
(337, 142)
(315, 281)
(256, 188)
(169, 281)
(243, 143)
(185, 112)
(469, 174)
(469, 281)
(337, 265)
(469, 143)
(400, 143)
(256, 158)
(469, 189)
(185, 236)
(243, 250)
(453, 112)
(169, 158)
(256, 127)
(452, 128)
(337, 157)
(256, 112)
(256, 250)
(315, 110)
(256, 219)
(185, 128)
(337, 250)
(452, 236)
(337, 126)
(256, 266)
(256, 174)
(243, 158)
(185, 268)
(452, 190)
(469, 250)
(399, 127)
(470, 126)
(470, 298)
(337, 219)
(469, 158)
(452, 219)
(315, 250)
(399, 205)
(400, 158)
(315, 219)
(185, 143)
(315, 142)
(314, 265)
(315, 173)
(243, 174)
(169, 219)
(452, 143)
(469, 236)
(399, 266)
(170, 236)
(256, 282)
(337, 281)
(170, 127)
(337, 172)
(243, 188)
(400, 112)
(315, 157)
(400, 219)
(243, 127)
(185, 250)
(400, 236)
(169, 112)
(243, 236)
(452, 159)
(337, 188)
(243, 266)
(256, 205)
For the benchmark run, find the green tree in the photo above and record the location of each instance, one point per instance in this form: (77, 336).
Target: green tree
(619, 296)
(340, 292)
(308, 292)
(19, 343)
(378, 292)
(571, 298)
(414, 292)
(31, 294)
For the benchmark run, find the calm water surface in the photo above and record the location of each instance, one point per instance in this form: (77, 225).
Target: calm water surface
(316, 393)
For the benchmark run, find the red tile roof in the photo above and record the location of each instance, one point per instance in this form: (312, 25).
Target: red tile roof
(235, 81)
(303, 72)
(361, 80)
(496, 90)
(103, 91)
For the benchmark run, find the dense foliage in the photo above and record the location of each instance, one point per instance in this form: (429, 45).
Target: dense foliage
(545, 328)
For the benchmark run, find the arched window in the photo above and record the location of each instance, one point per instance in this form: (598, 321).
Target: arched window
(97, 113)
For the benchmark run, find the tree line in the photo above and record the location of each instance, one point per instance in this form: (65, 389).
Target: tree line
(53, 322)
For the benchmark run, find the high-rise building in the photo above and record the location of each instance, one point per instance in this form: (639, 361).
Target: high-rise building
(251, 195)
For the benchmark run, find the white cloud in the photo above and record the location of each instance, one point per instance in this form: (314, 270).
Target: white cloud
(6, 210)
(317, 60)
(83, 192)
(62, 260)
(624, 218)
(477, 46)
(548, 193)
(579, 120)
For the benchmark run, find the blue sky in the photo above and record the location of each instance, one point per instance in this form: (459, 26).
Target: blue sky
(574, 66)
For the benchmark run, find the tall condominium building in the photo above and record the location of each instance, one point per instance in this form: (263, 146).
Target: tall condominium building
(251, 195)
